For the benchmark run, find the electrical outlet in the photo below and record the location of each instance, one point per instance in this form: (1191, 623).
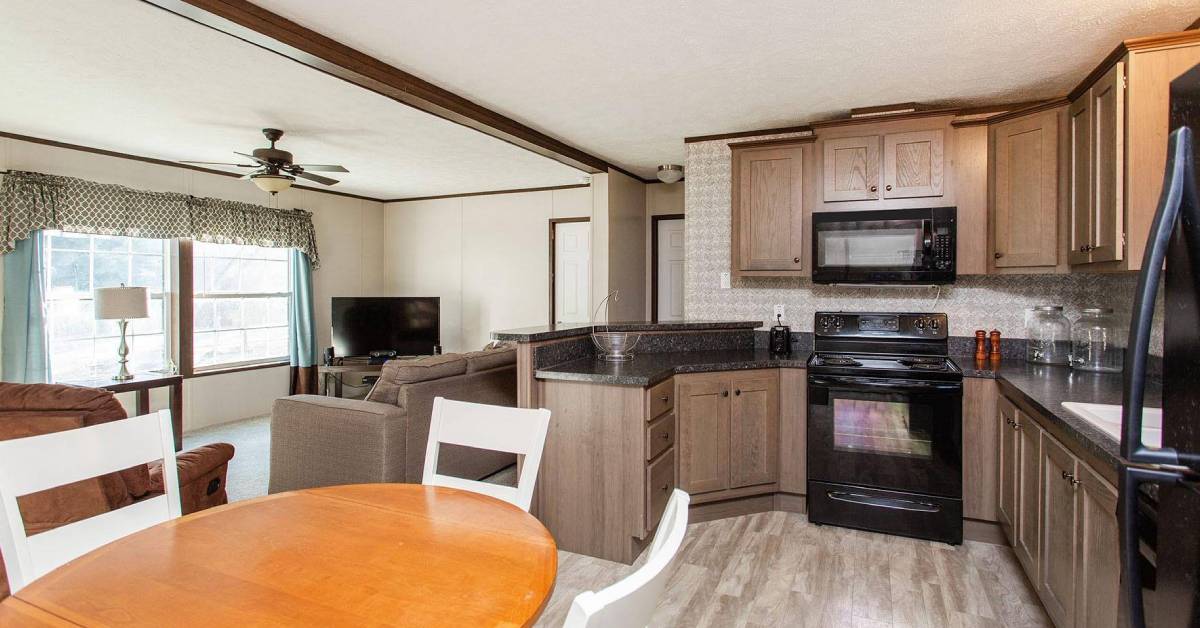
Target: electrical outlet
(779, 311)
(724, 281)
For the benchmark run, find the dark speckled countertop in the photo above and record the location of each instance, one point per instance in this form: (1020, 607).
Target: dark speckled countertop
(1042, 388)
(567, 330)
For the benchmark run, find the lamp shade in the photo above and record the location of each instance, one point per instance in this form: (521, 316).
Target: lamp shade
(122, 303)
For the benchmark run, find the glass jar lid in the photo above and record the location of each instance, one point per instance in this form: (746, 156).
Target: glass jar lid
(1097, 310)
(1048, 308)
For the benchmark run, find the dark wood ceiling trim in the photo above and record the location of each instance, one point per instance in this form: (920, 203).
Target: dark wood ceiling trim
(1194, 25)
(1163, 40)
(277, 34)
(487, 193)
(923, 113)
(164, 162)
(631, 175)
(1028, 109)
(782, 141)
(736, 134)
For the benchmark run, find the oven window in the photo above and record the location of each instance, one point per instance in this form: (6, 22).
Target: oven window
(881, 427)
(900, 246)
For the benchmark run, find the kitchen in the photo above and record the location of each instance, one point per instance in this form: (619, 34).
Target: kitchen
(1053, 205)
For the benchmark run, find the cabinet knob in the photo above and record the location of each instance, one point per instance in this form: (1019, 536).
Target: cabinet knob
(1086, 247)
(997, 255)
(874, 188)
(664, 398)
(724, 393)
(666, 436)
(1016, 426)
(795, 260)
(737, 392)
(666, 487)
(888, 188)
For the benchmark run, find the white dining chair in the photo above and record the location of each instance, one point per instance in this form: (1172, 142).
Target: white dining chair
(37, 463)
(518, 431)
(630, 602)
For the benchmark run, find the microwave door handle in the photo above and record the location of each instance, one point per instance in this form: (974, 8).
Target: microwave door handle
(927, 227)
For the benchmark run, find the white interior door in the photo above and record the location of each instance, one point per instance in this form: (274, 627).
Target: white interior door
(670, 270)
(572, 271)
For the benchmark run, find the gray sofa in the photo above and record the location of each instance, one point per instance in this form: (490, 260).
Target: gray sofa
(324, 441)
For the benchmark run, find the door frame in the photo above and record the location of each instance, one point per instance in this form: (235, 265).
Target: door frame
(553, 223)
(654, 220)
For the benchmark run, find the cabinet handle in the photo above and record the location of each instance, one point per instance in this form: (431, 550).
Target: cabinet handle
(666, 435)
(997, 255)
(888, 188)
(1070, 477)
(795, 260)
(737, 392)
(724, 393)
(664, 398)
(874, 188)
(1016, 426)
(666, 487)
(1086, 248)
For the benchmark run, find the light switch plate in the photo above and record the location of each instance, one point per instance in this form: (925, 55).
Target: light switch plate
(724, 281)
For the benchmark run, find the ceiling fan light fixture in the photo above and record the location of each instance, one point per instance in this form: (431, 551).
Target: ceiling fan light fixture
(670, 173)
(273, 183)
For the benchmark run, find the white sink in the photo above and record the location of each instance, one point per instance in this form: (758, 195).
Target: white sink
(1108, 419)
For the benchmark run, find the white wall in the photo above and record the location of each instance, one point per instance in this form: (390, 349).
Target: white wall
(486, 256)
(349, 240)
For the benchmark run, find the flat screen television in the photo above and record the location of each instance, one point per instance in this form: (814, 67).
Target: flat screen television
(406, 325)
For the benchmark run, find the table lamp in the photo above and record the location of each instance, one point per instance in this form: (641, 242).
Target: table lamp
(121, 304)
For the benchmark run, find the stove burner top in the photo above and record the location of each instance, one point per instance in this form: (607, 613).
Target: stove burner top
(839, 360)
(924, 364)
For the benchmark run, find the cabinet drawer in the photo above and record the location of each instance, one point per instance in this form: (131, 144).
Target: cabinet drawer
(660, 481)
(660, 435)
(662, 398)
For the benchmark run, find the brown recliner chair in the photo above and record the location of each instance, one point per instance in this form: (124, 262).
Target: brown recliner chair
(33, 409)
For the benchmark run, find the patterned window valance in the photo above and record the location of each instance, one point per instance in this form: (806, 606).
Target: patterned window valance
(30, 201)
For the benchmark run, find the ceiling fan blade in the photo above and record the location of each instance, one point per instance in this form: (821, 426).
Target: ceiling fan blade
(261, 161)
(322, 168)
(219, 163)
(316, 177)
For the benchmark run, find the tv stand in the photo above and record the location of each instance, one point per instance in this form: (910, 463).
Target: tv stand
(358, 365)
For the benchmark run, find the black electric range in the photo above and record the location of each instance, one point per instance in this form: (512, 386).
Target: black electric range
(885, 425)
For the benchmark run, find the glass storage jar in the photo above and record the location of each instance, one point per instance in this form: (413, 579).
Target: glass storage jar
(1048, 333)
(1098, 341)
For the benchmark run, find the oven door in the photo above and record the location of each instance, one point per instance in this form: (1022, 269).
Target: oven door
(891, 246)
(895, 434)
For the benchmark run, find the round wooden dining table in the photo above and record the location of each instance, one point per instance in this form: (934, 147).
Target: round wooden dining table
(358, 555)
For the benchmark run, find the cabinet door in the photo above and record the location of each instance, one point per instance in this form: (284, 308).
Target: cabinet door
(1025, 191)
(770, 208)
(1097, 558)
(754, 429)
(1056, 583)
(913, 164)
(851, 169)
(703, 444)
(980, 448)
(1080, 200)
(1029, 495)
(1010, 442)
(793, 431)
(1108, 137)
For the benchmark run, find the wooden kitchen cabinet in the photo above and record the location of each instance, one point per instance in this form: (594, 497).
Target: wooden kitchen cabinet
(1097, 553)
(793, 431)
(768, 208)
(754, 429)
(1025, 191)
(851, 170)
(728, 430)
(1097, 171)
(914, 164)
(980, 449)
(1010, 444)
(1027, 542)
(1056, 571)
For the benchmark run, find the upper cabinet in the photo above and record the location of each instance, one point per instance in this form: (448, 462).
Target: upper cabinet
(768, 208)
(913, 164)
(1025, 191)
(880, 167)
(1117, 137)
(852, 169)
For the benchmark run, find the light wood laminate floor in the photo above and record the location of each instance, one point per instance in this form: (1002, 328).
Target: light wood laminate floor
(776, 569)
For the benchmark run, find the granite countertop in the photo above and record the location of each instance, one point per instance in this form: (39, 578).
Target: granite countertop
(567, 330)
(647, 369)
(1041, 387)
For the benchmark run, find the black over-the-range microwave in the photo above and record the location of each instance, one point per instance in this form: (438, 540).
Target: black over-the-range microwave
(889, 246)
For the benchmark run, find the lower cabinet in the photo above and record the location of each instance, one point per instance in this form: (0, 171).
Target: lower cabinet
(1060, 517)
(728, 430)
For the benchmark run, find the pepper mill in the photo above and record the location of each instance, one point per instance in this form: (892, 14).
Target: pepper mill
(980, 349)
(994, 337)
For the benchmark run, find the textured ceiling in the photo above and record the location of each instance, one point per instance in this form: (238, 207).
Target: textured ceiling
(127, 76)
(626, 79)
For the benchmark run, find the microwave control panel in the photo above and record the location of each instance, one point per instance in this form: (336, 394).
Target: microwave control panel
(943, 248)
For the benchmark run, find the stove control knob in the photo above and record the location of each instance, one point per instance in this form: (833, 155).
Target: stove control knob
(837, 322)
(933, 324)
(920, 323)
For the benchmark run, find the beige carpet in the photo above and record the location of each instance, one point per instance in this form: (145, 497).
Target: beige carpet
(250, 467)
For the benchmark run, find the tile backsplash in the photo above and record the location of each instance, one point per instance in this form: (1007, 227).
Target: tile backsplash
(973, 302)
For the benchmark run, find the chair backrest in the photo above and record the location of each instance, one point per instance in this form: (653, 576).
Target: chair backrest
(37, 463)
(631, 602)
(518, 431)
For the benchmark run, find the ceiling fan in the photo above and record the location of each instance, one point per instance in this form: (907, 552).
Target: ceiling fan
(275, 170)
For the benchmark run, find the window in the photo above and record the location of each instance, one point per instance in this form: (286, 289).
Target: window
(82, 347)
(241, 296)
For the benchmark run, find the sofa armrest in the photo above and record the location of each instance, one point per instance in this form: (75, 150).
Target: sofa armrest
(325, 441)
(197, 463)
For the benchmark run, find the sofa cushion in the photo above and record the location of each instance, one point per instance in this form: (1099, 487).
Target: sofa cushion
(491, 357)
(397, 373)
